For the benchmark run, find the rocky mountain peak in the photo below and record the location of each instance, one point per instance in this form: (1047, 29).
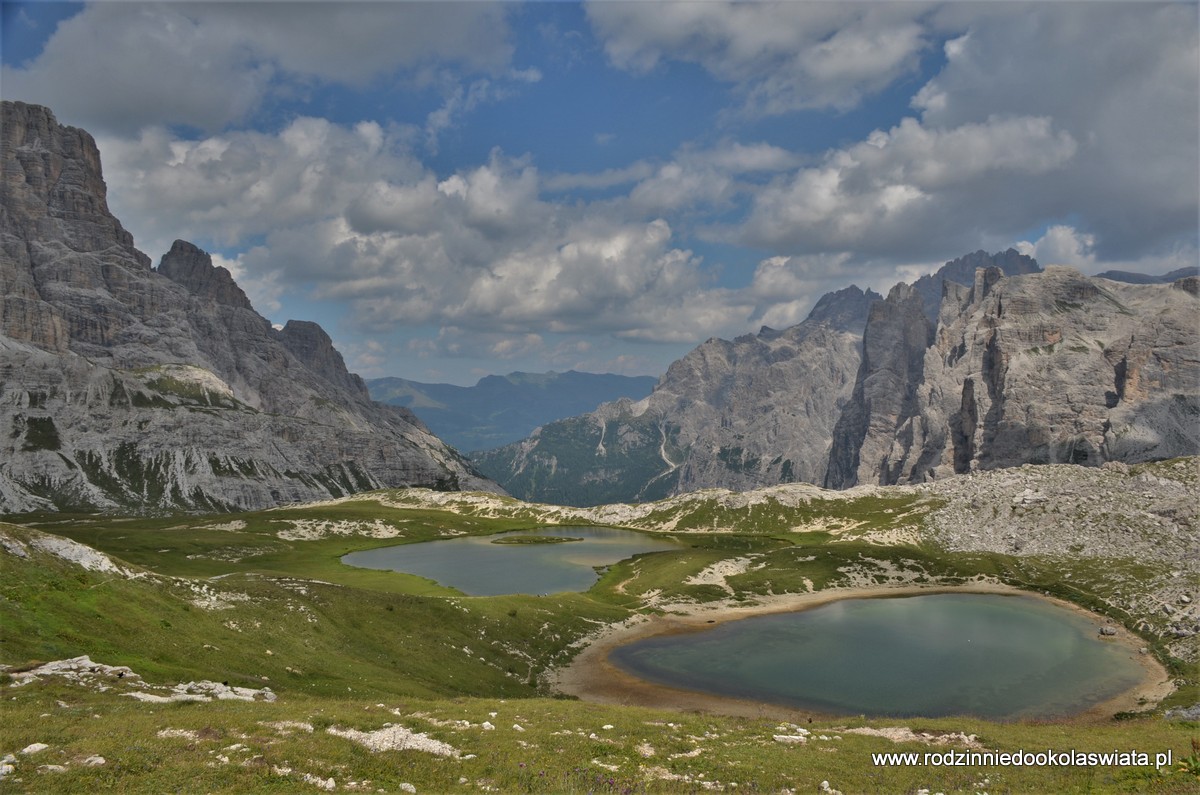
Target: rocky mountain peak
(192, 267)
(53, 184)
(125, 386)
(1006, 364)
(845, 309)
(963, 271)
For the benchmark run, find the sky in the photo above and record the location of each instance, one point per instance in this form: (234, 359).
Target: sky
(454, 189)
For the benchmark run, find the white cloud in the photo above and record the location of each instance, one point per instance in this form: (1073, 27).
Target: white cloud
(1041, 111)
(781, 56)
(1063, 113)
(1062, 245)
(609, 178)
(1122, 79)
(785, 289)
(699, 177)
(228, 188)
(347, 214)
(118, 67)
(675, 185)
(1065, 245)
(896, 191)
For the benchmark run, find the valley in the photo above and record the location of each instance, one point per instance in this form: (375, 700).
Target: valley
(184, 483)
(320, 672)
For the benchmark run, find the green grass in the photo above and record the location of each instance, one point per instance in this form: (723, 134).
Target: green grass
(564, 748)
(335, 643)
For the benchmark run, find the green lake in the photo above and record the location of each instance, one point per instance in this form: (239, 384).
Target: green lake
(989, 655)
(479, 566)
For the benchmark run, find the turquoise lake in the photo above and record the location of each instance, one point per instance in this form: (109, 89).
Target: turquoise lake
(993, 656)
(476, 566)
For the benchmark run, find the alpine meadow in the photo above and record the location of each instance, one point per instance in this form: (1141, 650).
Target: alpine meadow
(600, 397)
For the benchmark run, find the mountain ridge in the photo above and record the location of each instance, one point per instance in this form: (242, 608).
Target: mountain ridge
(914, 397)
(126, 386)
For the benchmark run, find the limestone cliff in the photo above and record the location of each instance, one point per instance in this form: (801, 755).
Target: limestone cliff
(1053, 367)
(121, 385)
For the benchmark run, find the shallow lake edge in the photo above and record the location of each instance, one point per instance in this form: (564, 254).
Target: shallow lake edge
(592, 676)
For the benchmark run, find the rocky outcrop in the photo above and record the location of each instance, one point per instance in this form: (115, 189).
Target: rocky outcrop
(309, 343)
(190, 266)
(1044, 368)
(125, 386)
(885, 391)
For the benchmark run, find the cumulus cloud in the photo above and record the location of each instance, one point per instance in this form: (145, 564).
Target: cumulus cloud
(121, 66)
(609, 178)
(1065, 245)
(227, 188)
(1080, 119)
(889, 193)
(781, 56)
(1128, 92)
(1041, 112)
(706, 177)
(1062, 245)
(784, 289)
(349, 213)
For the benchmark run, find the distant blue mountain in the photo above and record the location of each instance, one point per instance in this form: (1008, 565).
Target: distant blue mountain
(505, 408)
(1149, 278)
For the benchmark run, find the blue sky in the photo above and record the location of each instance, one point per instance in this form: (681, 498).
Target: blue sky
(456, 189)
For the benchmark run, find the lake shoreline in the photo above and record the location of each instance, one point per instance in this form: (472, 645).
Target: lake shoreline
(592, 676)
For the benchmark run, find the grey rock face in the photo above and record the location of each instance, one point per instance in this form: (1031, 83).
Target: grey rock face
(125, 386)
(1052, 367)
(187, 265)
(962, 271)
(885, 392)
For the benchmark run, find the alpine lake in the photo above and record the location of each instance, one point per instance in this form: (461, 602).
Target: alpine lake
(543, 561)
(1001, 657)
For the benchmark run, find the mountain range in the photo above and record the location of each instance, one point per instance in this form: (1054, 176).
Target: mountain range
(126, 386)
(1011, 365)
(500, 409)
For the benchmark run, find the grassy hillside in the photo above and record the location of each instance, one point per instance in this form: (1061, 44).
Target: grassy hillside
(456, 686)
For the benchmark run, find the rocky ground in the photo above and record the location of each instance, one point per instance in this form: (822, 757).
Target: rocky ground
(1147, 514)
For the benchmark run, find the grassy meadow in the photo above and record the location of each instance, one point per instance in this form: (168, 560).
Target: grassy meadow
(261, 600)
